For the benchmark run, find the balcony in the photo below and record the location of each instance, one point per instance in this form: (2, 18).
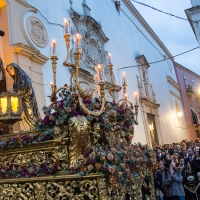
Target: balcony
(189, 89)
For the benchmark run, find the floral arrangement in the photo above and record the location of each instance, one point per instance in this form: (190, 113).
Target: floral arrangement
(122, 164)
(32, 170)
(112, 156)
(23, 140)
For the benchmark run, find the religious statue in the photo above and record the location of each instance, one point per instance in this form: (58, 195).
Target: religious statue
(79, 129)
(2, 77)
(22, 85)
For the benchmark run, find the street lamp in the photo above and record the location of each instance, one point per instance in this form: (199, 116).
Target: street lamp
(10, 109)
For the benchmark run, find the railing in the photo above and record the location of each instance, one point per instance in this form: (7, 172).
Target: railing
(189, 89)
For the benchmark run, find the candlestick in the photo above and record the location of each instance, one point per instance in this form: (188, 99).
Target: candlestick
(66, 25)
(109, 58)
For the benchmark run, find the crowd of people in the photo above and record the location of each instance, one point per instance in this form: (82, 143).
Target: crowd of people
(177, 174)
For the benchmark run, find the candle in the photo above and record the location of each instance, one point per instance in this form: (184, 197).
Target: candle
(78, 41)
(136, 97)
(126, 96)
(54, 47)
(66, 25)
(100, 72)
(99, 68)
(96, 79)
(124, 78)
(109, 58)
(51, 84)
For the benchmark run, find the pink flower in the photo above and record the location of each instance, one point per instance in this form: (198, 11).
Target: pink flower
(68, 109)
(119, 174)
(114, 150)
(51, 117)
(110, 156)
(122, 165)
(90, 167)
(92, 155)
(111, 170)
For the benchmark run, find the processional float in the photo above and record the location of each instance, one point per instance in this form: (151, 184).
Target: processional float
(83, 148)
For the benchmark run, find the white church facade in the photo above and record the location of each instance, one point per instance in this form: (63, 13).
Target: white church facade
(106, 26)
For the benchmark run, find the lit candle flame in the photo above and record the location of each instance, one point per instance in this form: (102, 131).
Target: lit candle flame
(109, 58)
(126, 96)
(53, 46)
(66, 25)
(136, 94)
(51, 84)
(78, 40)
(124, 78)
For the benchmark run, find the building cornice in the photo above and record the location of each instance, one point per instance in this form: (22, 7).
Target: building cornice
(89, 20)
(25, 4)
(32, 53)
(148, 102)
(172, 82)
(142, 21)
(190, 11)
(175, 95)
(186, 69)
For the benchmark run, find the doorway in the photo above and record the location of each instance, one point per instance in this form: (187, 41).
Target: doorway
(152, 129)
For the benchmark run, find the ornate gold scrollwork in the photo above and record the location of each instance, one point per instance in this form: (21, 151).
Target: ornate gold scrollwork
(74, 189)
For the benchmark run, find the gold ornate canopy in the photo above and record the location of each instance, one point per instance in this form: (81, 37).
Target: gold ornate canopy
(83, 148)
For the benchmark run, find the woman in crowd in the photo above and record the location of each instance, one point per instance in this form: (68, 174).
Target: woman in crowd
(172, 182)
(158, 181)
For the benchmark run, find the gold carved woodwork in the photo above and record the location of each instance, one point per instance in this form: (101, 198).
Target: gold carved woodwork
(70, 189)
(79, 129)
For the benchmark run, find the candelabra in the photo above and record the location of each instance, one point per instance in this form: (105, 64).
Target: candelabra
(99, 78)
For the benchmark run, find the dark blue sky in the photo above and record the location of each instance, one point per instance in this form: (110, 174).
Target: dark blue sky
(176, 34)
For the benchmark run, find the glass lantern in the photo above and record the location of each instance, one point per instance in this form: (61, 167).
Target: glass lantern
(10, 108)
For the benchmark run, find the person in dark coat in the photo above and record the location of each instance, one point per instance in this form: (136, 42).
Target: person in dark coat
(158, 181)
(159, 156)
(173, 179)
